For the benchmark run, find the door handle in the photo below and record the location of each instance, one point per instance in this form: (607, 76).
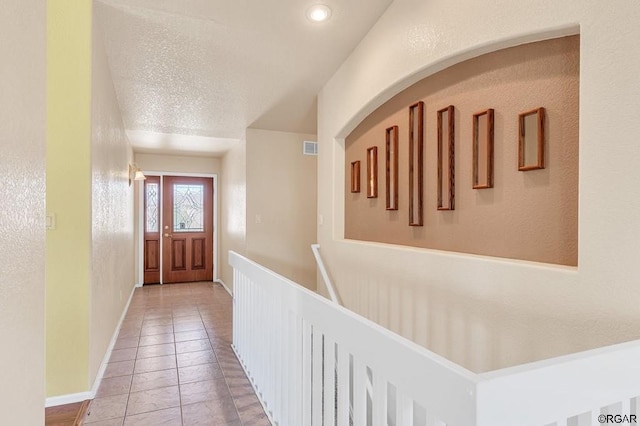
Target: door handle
(168, 235)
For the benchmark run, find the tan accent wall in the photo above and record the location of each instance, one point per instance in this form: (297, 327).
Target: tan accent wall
(281, 204)
(529, 215)
(22, 190)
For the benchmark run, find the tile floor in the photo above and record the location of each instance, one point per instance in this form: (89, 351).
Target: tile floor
(173, 364)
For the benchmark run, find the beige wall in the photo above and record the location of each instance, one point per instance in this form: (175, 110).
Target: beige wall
(22, 237)
(233, 208)
(483, 312)
(281, 204)
(526, 215)
(178, 163)
(112, 274)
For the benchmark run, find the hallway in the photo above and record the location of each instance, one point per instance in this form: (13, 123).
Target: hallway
(173, 365)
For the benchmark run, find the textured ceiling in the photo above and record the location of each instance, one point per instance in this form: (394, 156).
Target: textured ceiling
(192, 75)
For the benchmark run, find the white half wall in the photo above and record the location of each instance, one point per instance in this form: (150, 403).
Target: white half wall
(481, 312)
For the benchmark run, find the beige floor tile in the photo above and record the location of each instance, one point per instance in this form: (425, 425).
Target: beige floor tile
(128, 332)
(153, 400)
(191, 335)
(156, 350)
(225, 352)
(122, 368)
(186, 335)
(168, 417)
(183, 315)
(130, 323)
(261, 420)
(215, 412)
(196, 358)
(157, 314)
(123, 354)
(193, 346)
(150, 330)
(146, 365)
(156, 339)
(190, 393)
(157, 321)
(110, 422)
(232, 369)
(199, 373)
(247, 403)
(239, 392)
(156, 308)
(126, 342)
(110, 407)
(227, 357)
(154, 380)
(114, 386)
(188, 326)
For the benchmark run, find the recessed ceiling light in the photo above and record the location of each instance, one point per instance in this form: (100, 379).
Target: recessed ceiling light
(319, 13)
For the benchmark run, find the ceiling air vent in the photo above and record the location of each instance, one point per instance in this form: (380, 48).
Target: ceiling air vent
(310, 148)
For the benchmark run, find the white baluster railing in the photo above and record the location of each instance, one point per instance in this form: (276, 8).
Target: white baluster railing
(575, 389)
(310, 360)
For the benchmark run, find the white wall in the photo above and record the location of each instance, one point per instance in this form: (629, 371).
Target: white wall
(233, 208)
(22, 217)
(281, 204)
(112, 273)
(487, 313)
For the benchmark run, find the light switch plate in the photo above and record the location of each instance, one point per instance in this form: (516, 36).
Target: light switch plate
(51, 221)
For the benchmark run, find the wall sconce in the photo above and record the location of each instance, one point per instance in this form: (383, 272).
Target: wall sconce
(135, 173)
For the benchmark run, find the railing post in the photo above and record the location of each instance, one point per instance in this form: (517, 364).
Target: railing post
(306, 373)
(343, 386)
(359, 393)
(379, 398)
(404, 409)
(317, 393)
(329, 381)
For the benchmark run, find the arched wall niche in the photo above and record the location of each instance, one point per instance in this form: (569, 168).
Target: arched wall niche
(454, 58)
(529, 215)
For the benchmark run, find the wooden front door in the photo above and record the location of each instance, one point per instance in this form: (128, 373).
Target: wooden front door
(185, 231)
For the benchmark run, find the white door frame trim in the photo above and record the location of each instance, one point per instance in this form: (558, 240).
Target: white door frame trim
(216, 255)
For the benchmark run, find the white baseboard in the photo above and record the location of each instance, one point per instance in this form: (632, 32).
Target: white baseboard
(139, 285)
(71, 398)
(107, 355)
(224, 286)
(82, 396)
